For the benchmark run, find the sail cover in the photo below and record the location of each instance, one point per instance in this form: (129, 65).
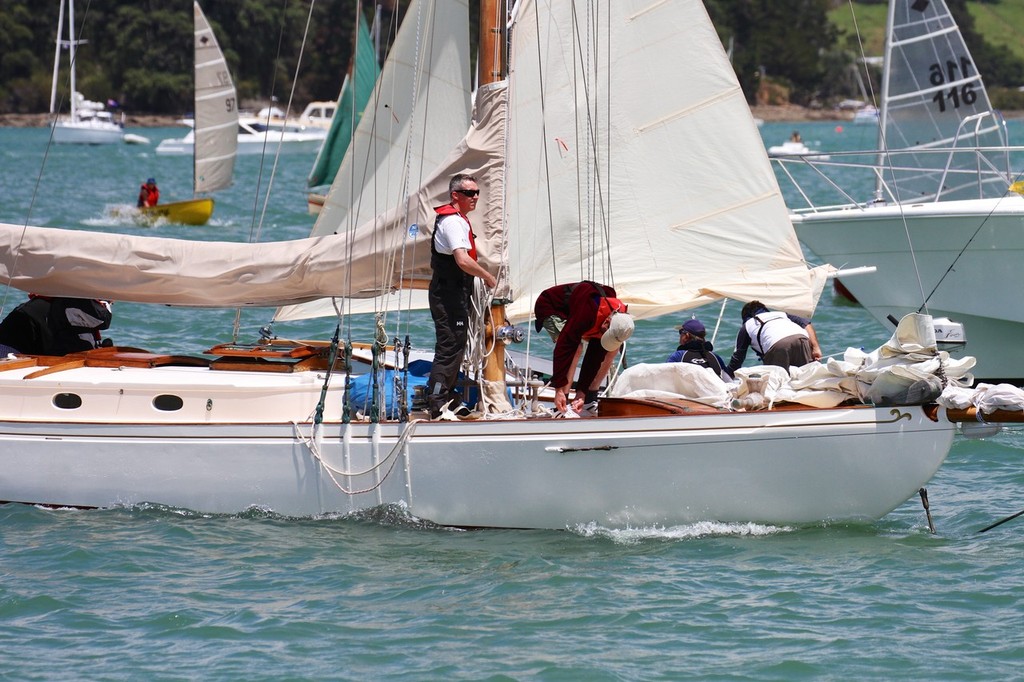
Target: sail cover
(216, 111)
(934, 97)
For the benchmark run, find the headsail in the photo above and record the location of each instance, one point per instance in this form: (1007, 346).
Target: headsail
(419, 110)
(216, 111)
(933, 97)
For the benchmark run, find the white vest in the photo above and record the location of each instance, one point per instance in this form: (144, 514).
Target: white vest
(767, 329)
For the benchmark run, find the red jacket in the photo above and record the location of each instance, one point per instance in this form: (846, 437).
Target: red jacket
(578, 305)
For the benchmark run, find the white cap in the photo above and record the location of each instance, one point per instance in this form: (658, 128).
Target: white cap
(620, 328)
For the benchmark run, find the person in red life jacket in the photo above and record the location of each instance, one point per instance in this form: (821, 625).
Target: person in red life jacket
(453, 259)
(778, 338)
(149, 194)
(46, 325)
(572, 314)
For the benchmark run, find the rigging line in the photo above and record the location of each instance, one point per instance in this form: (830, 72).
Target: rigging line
(582, 217)
(287, 113)
(352, 204)
(256, 225)
(590, 64)
(46, 152)
(963, 250)
(391, 250)
(887, 161)
(544, 145)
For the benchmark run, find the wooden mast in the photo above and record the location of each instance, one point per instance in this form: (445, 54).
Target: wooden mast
(491, 68)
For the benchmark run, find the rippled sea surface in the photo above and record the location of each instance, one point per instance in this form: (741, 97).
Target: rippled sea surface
(165, 594)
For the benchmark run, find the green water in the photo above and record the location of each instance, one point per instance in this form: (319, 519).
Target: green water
(160, 594)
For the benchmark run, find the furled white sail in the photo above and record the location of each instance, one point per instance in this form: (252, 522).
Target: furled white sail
(122, 267)
(216, 111)
(934, 97)
(669, 198)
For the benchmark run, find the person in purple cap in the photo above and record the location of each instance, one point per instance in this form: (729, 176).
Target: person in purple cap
(693, 348)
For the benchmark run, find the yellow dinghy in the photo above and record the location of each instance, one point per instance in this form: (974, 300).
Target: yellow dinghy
(189, 212)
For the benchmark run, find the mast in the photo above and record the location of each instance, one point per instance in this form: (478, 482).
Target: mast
(71, 44)
(883, 112)
(491, 67)
(56, 59)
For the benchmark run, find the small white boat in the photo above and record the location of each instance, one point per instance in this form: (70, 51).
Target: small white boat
(793, 148)
(866, 115)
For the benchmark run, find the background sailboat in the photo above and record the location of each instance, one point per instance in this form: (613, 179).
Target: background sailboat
(215, 132)
(88, 122)
(355, 93)
(942, 229)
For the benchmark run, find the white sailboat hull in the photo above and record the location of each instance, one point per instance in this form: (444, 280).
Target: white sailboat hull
(87, 132)
(221, 455)
(964, 251)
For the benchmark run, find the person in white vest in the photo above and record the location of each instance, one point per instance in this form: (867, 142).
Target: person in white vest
(778, 338)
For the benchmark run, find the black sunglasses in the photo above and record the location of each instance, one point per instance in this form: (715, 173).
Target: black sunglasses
(468, 192)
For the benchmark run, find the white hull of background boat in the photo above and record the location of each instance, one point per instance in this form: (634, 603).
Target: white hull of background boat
(292, 143)
(87, 132)
(222, 455)
(973, 280)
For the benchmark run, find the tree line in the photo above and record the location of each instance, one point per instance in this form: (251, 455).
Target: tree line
(139, 52)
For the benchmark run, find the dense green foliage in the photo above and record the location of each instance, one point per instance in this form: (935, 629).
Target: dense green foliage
(139, 52)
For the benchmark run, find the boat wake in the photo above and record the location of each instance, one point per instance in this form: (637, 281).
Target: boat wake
(702, 529)
(123, 215)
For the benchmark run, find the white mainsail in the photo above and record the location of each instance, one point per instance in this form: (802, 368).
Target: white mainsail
(216, 111)
(934, 97)
(670, 199)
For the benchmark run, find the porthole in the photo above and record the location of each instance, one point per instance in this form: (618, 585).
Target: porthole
(168, 403)
(67, 401)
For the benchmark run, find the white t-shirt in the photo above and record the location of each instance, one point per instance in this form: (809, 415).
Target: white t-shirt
(452, 233)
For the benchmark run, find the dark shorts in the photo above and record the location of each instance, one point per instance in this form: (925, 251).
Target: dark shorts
(792, 351)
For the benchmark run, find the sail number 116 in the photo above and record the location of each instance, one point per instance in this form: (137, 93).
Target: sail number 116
(937, 75)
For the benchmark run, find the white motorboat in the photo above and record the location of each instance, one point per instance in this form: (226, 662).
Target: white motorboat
(943, 228)
(795, 148)
(260, 133)
(275, 426)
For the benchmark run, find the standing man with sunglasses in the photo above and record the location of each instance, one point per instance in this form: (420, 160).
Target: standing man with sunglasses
(453, 259)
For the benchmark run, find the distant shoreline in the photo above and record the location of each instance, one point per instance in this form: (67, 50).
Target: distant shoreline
(769, 113)
(43, 120)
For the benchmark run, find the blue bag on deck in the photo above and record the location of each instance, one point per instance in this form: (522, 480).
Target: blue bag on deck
(361, 394)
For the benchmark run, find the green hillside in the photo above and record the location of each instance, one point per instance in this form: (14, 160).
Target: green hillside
(1000, 24)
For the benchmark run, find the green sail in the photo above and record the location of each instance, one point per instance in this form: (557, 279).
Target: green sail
(355, 93)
